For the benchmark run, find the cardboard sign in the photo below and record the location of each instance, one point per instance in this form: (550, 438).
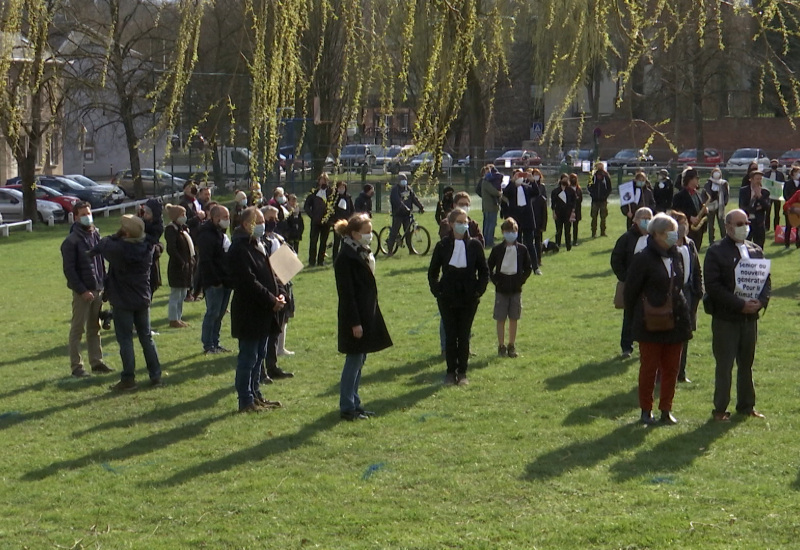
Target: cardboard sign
(285, 263)
(751, 276)
(627, 194)
(774, 187)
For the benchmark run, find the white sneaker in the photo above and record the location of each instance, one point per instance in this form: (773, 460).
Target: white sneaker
(285, 352)
(538, 272)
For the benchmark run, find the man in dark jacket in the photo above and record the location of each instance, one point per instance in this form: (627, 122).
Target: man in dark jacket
(520, 194)
(85, 276)
(319, 209)
(129, 257)
(194, 210)
(402, 200)
(631, 242)
(754, 200)
(563, 199)
(734, 318)
(364, 200)
(599, 190)
(662, 192)
(212, 276)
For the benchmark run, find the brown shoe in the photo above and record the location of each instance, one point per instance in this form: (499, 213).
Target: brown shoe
(80, 372)
(102, 368)
(463, 380)
(267, 404)
(450, 379)
(124, 386)
(753, 413)
(175, 324)
(251, 408)
(723, 416)
(184, 324)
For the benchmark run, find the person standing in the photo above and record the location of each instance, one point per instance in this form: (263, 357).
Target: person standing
(655, 280)
(734, 320)
(688, 201)
(85, 276)
(239, 204)
(457, 276)
(645, 198)
(254, 309)
(577, 213)
(791, 187)
(151, 213)
(444, 206)
(662, 193)
(520, 194)
(491, 192)
(774, 174)
(195, 214)
(343, 209)
(509, 268)
(717, 193)
(363, 202)
(362, 329)
(294, 223)
(212, 276)
(463, 201)
(754, 200)
(180, 249)
(402, 199)
(130, 255)
(319, 209)
(562, 199)
(633, 241)
(599, 190)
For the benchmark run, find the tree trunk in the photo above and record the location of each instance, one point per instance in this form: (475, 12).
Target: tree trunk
(132, 142)
(26, 163)
(476, 114)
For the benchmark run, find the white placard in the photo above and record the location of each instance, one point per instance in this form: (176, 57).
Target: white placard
(627, 194)
(285, 263)
(586, 166)
(751, 276)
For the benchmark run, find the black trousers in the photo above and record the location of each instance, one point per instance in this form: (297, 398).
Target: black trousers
(563, 226)
(530, 243)
(457, 320)
(734, 341)
(394, 232)
(787, 233)
(776, 212)
(319, 234)
(758, 234)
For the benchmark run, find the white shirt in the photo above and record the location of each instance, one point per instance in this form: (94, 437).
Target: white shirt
(459, 257)
(641, 244)
(509, 264)
(521, 200)
(687, 265)
(743, 253)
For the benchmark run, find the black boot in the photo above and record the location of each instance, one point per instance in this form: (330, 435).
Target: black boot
(647, 418)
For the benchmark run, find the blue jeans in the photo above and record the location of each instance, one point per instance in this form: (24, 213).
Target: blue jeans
(351, 375)
(124, 321)
(175, 306)
(217, 298)
(489, 225)
(248, 370)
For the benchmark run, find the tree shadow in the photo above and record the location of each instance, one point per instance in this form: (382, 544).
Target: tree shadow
(589, 372)
(600, 275)
(390, 374)
(611, 407)
(672, 454)
(276, 446)
(138, 447)
(585, 454)
(56, 351)
(13, 420)
(789, 291)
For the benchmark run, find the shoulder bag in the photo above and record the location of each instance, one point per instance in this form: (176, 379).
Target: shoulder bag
(660, 318)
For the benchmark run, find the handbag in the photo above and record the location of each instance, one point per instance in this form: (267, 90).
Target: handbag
(659, 318)
(619, 295)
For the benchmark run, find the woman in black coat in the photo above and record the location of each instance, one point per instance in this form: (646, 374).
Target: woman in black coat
(464, 276)
(255, 307)
(562, 199)
(520, 194)
(343, 209)
(656, 276)
(180, 268)
(361, 326)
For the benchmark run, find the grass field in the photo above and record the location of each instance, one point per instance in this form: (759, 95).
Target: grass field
(542, 451)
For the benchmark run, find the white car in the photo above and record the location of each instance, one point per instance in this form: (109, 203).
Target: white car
(741, 158)
(424, 160)
(11, 207)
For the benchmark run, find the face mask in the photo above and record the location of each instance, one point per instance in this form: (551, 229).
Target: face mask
(740, 233)
(341, 190)
(519, 181)
(672, 238)
(193, 191)
(715, 176)
(536, 178)
(87, 221)
(795, 176)
(258, 230)
(365, 239)
(643, 225)
(773, 168)
(282, 199)
(563, 184)
(660, 178)
(510, 236)
(243, 202)
(465, 208)
(404, 183)
(639, 183)
(460, 228)
(271, 225)
(181, 220)
(224, 224)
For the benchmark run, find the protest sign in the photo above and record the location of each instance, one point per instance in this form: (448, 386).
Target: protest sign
(774, 187)
(285, 263)
(751, 275)
(628, 194)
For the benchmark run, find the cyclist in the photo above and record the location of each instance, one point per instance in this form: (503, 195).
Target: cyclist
(402, 199)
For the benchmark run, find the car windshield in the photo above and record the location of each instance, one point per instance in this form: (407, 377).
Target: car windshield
(393, 151)
(72, 184)
(83, 180)
(627, 153)
(689, 153)
(744, 153)
(353, 150)
(791, 154)
(511, 154)
(162, 174)
(13, 192)
(46, 191)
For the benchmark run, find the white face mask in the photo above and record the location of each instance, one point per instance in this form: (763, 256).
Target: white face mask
(536, 178)
(715, 176)
(341, 190)
(366, 238)
(181, 220)
(465, 208)
(281, 199)
(519, 181)
(740, 233)
(224, 224)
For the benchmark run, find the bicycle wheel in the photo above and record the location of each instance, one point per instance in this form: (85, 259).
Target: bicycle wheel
(383, 236)
(420, 240)
(375, 244)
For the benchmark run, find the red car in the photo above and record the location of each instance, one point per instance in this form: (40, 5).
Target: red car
(67, 202)
(518, 158)
(712, 157)
(789, 157)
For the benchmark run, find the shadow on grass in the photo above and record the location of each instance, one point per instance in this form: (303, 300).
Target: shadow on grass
(415, 269)
(390, 374)
(138, 447)
(56, 351)
(672, 454)
(285, 443)
(600, 275)
(611, 407)
(789, 291)
(589, 372)
(585, 454)
(12, 420)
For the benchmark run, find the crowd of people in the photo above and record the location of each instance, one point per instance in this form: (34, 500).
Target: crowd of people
(223, 256)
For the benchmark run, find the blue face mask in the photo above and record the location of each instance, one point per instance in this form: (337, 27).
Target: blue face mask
(460, 228)
(643, 225)
(672, 238)
(510, 236)
(258, 230)
(87, 221)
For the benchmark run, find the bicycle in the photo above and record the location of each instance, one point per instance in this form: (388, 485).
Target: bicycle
(417, 237)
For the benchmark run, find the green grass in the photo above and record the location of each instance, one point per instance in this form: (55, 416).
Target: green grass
(542, 451)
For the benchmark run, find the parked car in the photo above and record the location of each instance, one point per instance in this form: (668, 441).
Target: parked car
(384, 155)
(741, 158)
(712, 157)
(66, 202)
(96, 198)
(789, 157)
(402, 161)
(11, 207)
(114, 195)
(630, 157)
(424, 160)
(518, 158)
(357, 155)
(154, 182)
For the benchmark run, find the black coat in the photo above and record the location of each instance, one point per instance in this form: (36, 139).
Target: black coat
(358, 304)
(211, 269)
(578, 203)
(181, 262)
(295, 227)
(509, 284)
(562, 210)
(363, 203)
(662, 194)
(540, 215)
(718, 269)
(757, 208)
(522, 214)
(600, 187)
(129, 264)
(317, 209)
(255, 290)
(622, 255)
(458, 286)
(342, 213)
(646, 199)
(648, 277)
(695, 284)
(83, 272)
(790, 188)
(689, 204)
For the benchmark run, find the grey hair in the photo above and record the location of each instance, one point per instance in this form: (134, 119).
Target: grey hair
(269, 208)
(661, 223)
(641, 212)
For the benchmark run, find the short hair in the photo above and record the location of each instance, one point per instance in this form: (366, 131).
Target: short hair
(344, 227)
(462, 195)
(678, 216)
(660, 223)
(269, 209)
(339, 183)
(278, 191)
(454, 214)
(247, 215)
(730, 214)
(368, 187)
(217, 210)
(641, 212)
(293, 197)
(80, 205)
(510, 224)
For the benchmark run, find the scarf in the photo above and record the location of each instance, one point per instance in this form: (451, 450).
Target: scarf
(363, 252)
(459, 257)
(186, 237)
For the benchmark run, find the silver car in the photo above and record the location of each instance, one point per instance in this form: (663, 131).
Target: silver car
(11, 207)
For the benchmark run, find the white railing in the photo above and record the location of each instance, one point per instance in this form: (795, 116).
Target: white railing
(4, 227)
(106, 210)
